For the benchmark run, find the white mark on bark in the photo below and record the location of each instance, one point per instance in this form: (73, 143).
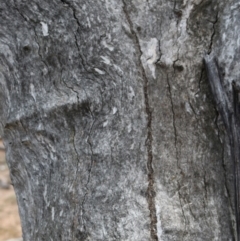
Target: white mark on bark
(159, 225)
(89, 23)
(107, 45)
(53, 213)
(118, 69)
(44, 29)
(224, 37)
(105, 123)
(114, 110)
(131, 92)
(33, 93)
(99, 71)
(183, 23)
(45, 196)
(106, 60)
(7, 53)
(150, 54)
(188, 108)
(129, 128)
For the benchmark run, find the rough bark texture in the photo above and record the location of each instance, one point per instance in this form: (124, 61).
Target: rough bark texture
(109, 122)
(223, 74)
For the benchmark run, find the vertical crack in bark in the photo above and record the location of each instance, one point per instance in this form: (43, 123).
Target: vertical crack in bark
(73, 9)
(174, 120)
(74, 224)
(93, 120)
(16, 8)
(78, 159)
(183, 213)
(36, 40)
(176, 149)
(230, 119)
(81, 56)
(205, 198)
(91, 150)
(40, 55)
(75, 36)
(90, 168)
(231, 209)
(200, 79)
(74, 146)
(43, 61)
(89, 172)
(150, 189)
(29, 21)
(213, 34)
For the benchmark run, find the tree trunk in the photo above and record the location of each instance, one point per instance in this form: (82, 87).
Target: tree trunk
(109, 122)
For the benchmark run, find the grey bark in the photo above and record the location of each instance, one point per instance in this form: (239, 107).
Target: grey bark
(109, 122)
(229, 110)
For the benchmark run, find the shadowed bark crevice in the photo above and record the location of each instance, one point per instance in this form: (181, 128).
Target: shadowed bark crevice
(230, 116)
(150, 191)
